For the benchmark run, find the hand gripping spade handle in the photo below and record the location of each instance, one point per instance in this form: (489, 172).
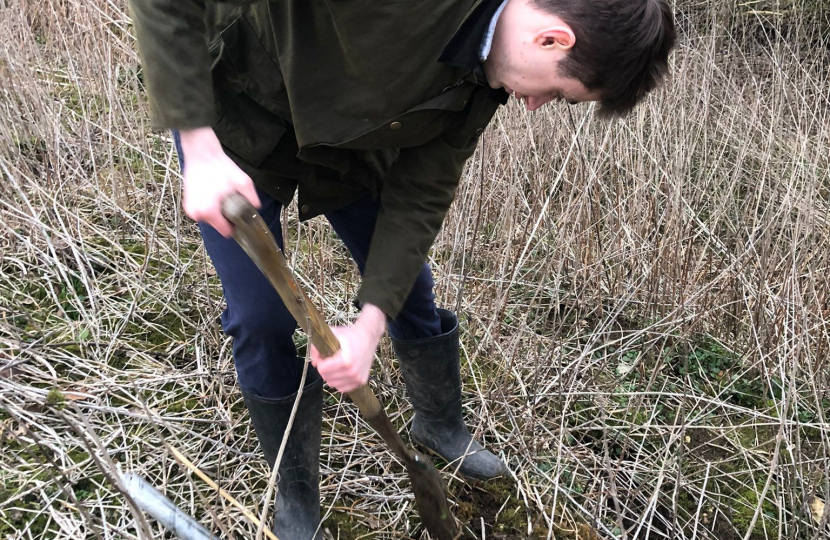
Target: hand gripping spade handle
(256, 239)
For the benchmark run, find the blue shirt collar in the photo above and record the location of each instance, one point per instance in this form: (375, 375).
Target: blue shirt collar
(487, 40)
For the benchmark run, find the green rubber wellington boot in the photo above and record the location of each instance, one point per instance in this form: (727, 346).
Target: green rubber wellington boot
(297, 504)
(431, 373)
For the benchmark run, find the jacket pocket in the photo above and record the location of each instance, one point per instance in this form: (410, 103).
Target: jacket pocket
(248, 93)
(419, 124)
(251, 132)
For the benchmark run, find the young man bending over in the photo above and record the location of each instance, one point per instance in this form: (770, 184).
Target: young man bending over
(367, 110)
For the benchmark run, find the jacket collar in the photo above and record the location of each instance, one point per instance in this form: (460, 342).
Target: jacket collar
(464, 48)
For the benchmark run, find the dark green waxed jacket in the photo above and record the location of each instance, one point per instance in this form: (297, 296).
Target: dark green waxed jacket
(333, 98)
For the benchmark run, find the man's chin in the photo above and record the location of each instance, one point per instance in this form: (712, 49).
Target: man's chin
(489, 74)
(492, 84)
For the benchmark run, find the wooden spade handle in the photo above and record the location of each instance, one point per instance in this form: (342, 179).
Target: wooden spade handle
(256, 239)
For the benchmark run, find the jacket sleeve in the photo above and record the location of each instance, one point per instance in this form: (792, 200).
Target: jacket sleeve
(173, 48)
(415, 197)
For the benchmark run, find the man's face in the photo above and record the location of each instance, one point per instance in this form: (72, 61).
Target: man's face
(527, 48)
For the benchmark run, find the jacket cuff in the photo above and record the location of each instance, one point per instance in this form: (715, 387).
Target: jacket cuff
(166, 122)
(390, 303)
(175, 62)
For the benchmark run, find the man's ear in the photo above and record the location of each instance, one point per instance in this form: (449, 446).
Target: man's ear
(556, 37)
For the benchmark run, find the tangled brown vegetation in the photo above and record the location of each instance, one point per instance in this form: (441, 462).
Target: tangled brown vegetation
(646, 319)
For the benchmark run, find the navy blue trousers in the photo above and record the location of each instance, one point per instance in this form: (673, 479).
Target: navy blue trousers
(264, 353)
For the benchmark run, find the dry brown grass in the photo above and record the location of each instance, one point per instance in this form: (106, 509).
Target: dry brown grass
(646, 320)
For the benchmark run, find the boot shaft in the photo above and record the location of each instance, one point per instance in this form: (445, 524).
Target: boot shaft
(297, 503)
(431, 372)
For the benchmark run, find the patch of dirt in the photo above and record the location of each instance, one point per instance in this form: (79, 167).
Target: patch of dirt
(495, 510)
(702, 444)
(491, 506)
(350, 524)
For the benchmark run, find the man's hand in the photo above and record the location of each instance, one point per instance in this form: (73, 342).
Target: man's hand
(209, 176)
(349, 368)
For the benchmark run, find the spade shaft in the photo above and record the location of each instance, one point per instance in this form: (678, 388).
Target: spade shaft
(253, 235)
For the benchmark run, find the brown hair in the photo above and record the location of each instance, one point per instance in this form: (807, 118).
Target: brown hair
(621, 49)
